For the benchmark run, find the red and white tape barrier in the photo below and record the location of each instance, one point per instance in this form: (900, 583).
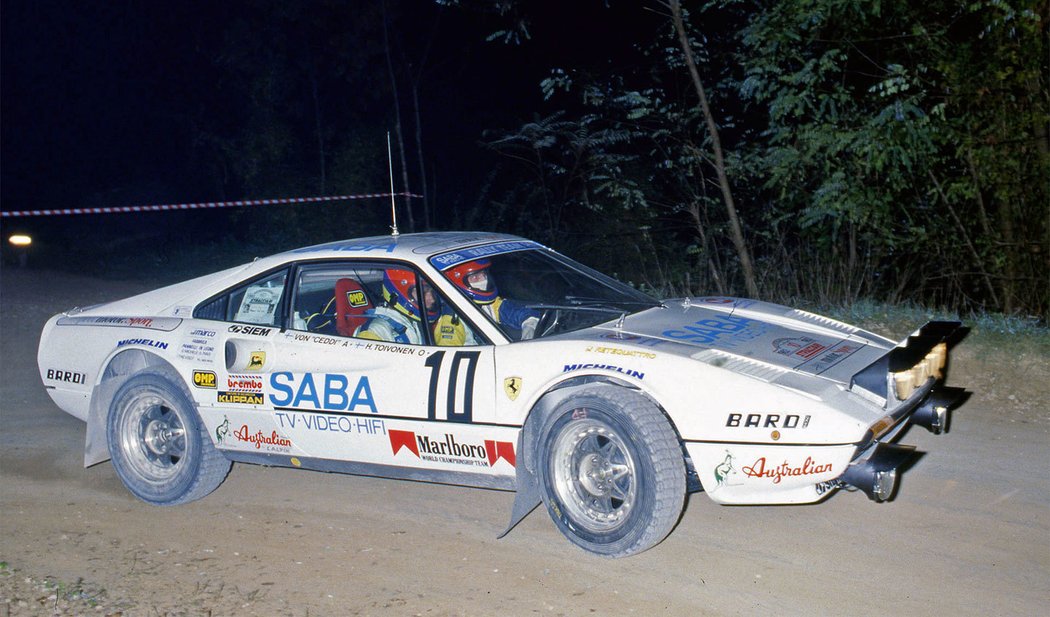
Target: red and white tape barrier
(196, 206)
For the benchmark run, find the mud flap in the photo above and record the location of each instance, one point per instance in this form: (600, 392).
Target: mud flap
(525, 500)
(96, 444)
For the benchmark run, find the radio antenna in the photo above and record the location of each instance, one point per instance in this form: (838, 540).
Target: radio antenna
(393, 205)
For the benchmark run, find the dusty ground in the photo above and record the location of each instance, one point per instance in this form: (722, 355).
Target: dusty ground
(969, 533)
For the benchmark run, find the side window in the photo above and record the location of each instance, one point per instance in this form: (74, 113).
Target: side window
(376, 302)
(258, 302)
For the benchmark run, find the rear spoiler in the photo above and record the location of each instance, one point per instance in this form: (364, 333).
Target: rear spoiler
(914, 354)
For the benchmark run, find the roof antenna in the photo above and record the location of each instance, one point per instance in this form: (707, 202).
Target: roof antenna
(393, 209)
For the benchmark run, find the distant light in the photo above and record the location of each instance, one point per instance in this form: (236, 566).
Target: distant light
(20, 240)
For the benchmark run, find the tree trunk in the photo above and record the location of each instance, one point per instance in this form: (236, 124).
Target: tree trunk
(736, 230)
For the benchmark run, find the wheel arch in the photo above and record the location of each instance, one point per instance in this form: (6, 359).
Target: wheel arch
(528, 494)
(121, 367)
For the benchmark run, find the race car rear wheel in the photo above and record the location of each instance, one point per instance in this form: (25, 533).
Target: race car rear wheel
(613, 473)
(159, 447)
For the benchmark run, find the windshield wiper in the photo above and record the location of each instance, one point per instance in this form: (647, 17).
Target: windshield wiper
(575, 307)
(584, 300)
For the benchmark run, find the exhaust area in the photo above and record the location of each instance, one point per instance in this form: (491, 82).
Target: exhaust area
(933, 413)
(877, 474)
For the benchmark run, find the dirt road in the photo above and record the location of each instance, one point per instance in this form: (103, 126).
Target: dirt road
(969, 533)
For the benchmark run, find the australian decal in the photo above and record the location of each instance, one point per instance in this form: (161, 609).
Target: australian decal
(448, 450)
(205, 379)
(271, 443)
(241, 398)
(329, 392)
(605, 367)
(758, 469)
(66, 376)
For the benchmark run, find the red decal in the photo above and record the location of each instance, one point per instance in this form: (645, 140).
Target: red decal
(403, 439)
(499, 450)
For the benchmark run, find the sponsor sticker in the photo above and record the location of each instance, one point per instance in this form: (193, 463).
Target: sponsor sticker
(322, 392)
(205, 379)
(240, 398)
(250, 330)
(512, 387)
(66, 376)
(448, 450)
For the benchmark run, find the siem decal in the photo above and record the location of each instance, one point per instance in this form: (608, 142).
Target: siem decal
(250, 330)
(451, 451)
(333, 393)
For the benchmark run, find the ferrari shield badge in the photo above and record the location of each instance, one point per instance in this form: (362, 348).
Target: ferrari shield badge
(512, 386)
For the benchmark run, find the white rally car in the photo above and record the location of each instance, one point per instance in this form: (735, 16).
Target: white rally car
(519, 369)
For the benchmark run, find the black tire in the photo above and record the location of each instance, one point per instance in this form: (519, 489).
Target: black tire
(612, 471)
(158, 445)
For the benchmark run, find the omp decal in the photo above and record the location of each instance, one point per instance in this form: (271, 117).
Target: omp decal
(758, 469)
(356, 298)
(242, 398)
(288, 390)
(448, 450)
(145, 342)
(205, 379)
(66, 376)
(726, 330)
(607, 367)
(770, 420)
(330, 423)
(250, 330)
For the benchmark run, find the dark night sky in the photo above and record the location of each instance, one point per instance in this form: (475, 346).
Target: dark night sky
(100, 100)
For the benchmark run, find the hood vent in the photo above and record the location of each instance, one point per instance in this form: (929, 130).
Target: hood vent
(738, 364)
(823, 321)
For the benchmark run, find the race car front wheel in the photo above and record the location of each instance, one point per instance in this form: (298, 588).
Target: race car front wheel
(613, 473)
(159, 448)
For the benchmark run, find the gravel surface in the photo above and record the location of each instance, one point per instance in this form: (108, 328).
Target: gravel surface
(968, 534)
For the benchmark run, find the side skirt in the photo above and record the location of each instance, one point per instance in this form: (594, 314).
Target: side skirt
(368, 469)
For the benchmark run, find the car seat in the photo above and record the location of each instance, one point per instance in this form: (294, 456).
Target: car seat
(351, 305)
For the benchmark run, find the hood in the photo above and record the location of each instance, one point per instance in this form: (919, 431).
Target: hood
(764, 335)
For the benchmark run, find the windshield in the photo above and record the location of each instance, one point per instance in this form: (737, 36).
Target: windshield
(529, 291)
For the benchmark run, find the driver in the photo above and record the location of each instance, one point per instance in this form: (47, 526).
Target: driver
(475, 280)
(400, 320)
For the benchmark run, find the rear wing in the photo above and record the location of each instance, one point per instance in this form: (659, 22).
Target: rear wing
(912, 363)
